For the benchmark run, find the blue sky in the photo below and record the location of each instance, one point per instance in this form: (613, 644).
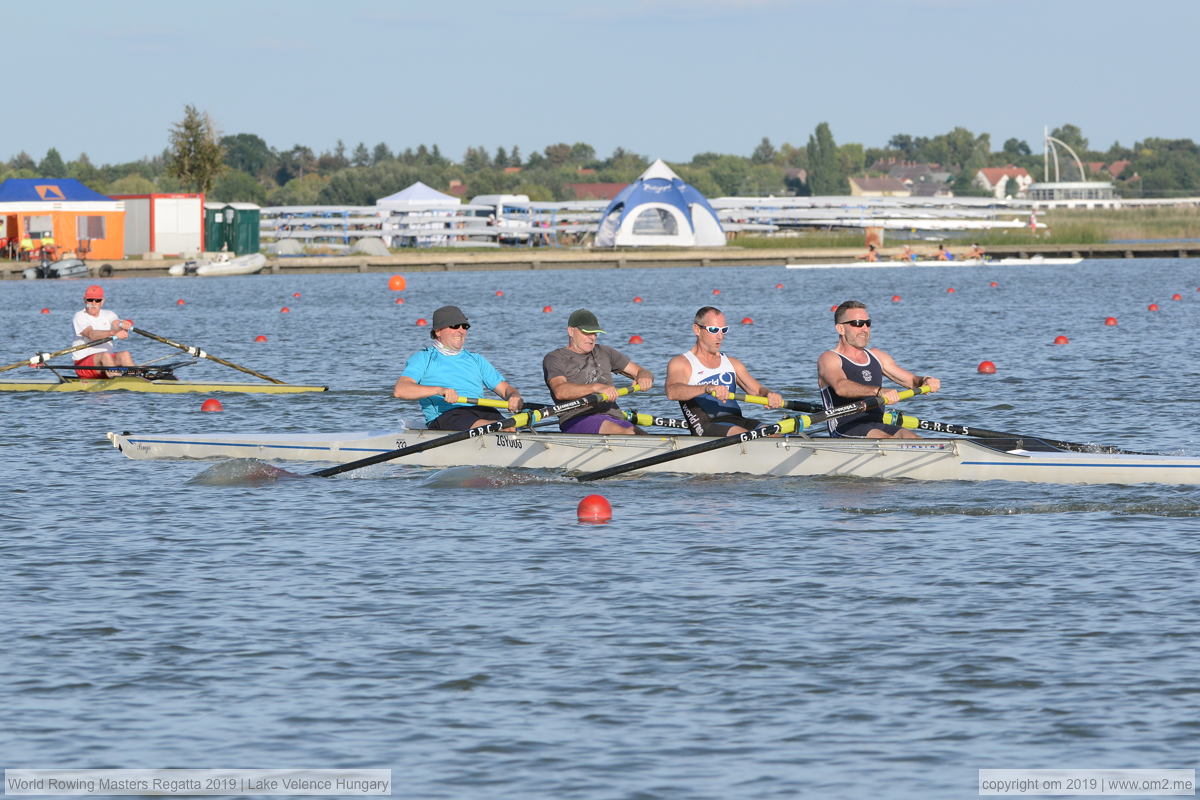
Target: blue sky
(664, 78)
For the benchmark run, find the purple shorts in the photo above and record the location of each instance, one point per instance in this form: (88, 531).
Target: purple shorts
(590, 423)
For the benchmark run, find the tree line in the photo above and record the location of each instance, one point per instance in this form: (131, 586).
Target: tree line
(243, 167)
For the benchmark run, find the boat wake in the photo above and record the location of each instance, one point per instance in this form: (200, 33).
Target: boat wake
(241, 472)
(1154, 508)
(485, 478)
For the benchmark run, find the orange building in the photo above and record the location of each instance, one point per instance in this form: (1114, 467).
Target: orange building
(65, 211)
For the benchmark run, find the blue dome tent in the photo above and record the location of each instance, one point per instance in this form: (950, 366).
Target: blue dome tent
(659, 209)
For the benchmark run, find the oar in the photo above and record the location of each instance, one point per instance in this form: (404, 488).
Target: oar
(912, 423)
(515, 421)
(650, 421)
(196, 351)
(791, 405)
(784, 426)
(42, 358)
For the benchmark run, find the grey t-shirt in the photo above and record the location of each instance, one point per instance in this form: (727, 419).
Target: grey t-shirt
(595, 367)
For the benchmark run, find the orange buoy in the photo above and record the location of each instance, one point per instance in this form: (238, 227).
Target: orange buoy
(1110, 321)
(212, 404)
(546, 309)
(895, 298)
(635, 339)
(950, 290)
(779, 286)
(397, 283)
(180, 302)
(399, 301)
(994, 284)
(285, 310)
(637, 299)
(1176, 297)
(987, 368)
(499, 293)
(594, 508)
(747, 321)
(45, 311)
(260, 338)
(422, 321)
(1060, 339)
(716, 291)
(1152, 307)
(833, 308)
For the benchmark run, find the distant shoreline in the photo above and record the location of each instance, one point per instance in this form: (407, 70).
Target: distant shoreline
(517, 258)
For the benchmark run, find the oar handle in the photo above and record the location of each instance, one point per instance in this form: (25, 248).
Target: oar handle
(651, 421)
(197, 352)
(791, 405)
(41, 358)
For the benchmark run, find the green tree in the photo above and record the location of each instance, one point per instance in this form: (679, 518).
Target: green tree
(82, 170)
(1016, 148)
(295, 163)
(1073, 138)
(361, 157)
(235, 186)
(249, 153)
(132, 184)
(304, 191)
(765, 152)
(52, 165)
(196, 156)
(558, 154)
(22, 160)
(824, 171)
(381, 154)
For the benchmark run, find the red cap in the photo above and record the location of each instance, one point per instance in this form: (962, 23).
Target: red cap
(92, 292)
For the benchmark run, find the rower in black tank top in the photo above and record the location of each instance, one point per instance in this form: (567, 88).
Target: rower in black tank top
(870, 374)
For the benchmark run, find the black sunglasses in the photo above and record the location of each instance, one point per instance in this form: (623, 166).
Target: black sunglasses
(466, 326)
(94, 300)
(856, 323)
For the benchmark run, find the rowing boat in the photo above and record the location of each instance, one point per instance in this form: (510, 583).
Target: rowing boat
(132, 383)
(962, 262)
(922, 459)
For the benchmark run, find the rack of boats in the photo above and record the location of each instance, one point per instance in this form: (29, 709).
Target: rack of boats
(939, 459)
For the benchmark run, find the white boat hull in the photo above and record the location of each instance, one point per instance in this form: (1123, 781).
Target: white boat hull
(242, 265)
(962, 262)
(923, 459)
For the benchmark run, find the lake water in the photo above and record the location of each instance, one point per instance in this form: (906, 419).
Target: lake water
(723, 637)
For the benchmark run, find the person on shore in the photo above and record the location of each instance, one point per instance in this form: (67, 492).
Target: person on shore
(702, 379)
(871, 255)
(585, 367)
(851, 371)
(95, 322)
(445, 371)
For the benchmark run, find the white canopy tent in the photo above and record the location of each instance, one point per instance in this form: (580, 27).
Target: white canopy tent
(659, 209)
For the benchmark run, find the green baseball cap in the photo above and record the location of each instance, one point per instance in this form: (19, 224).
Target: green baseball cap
(584, 320)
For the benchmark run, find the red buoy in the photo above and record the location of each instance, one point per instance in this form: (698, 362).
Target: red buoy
(212, 404)
(833, 308)
(747, 321)
(635, 339)
(422, 321)
(716, 291)
(594, 508)
(987, 368)
(397, 283)
(637, 299)
(950, 290)
(994, 284)
(296, 295)
(1110, 321)
(1176, 297)
(895, 298)
(180, 302)
(1152, 307)
(546, 309)
(285, 310)
(499, 293)
(779, 286)
(260, 338)
(45, 311)
(399, 301)
(1061, 340)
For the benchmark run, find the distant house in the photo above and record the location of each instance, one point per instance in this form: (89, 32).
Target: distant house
(878, 187)
(1117, 167)
(596, 191)
(996, 180)
(931, 189)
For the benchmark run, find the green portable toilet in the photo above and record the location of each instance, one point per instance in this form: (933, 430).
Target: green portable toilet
(241, 227)
(214, 226)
